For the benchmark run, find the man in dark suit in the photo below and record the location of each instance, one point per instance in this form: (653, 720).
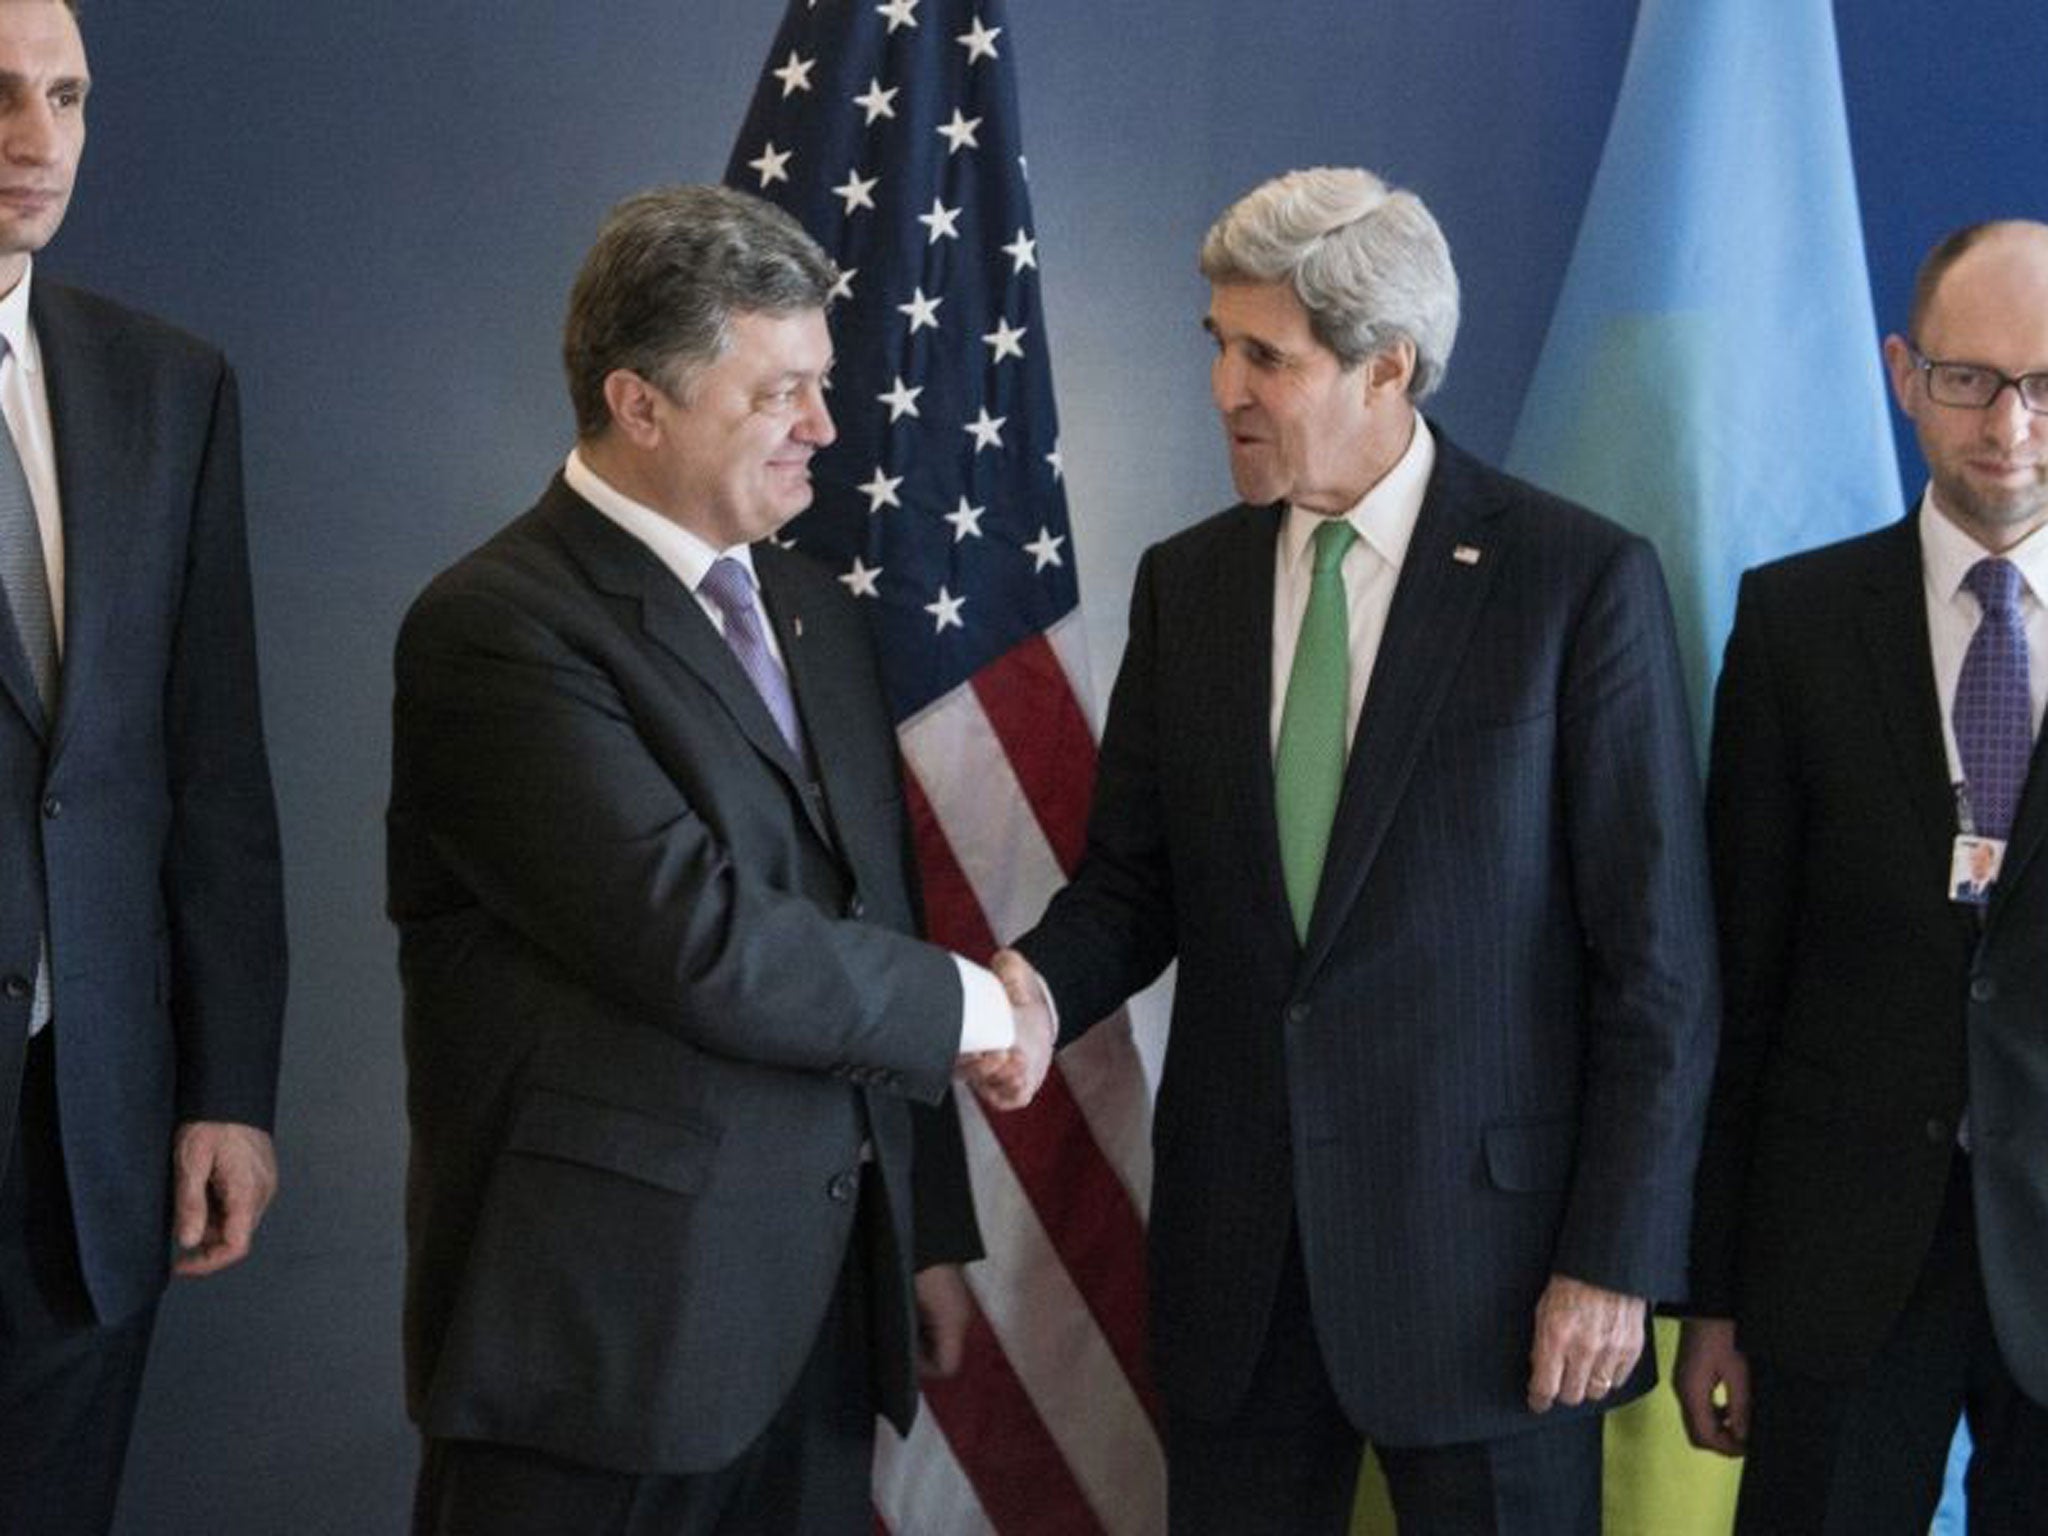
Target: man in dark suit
(1872, 1230)
(141, 927)
(665, 1019)
(1397, 765)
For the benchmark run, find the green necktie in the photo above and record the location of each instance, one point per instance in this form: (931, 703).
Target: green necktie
(1308, 770)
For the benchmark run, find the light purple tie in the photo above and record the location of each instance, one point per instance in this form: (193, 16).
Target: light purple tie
(1994, 722)
(731, 587)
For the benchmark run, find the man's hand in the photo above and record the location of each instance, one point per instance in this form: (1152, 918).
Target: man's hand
(1708, 1360)
(944, 1309)
(1011, 1079)
(1587, 1342)
(223, 1176)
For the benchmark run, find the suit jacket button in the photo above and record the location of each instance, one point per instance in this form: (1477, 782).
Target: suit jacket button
(53, 808)
(1983, 989)
(17, 987)
(855, 907)
(1938, 1132)
(843, 1186)
(1297, 1013)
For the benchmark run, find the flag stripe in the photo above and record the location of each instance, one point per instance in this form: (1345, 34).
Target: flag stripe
(1094, 1226)
(1032, 709)
(973, 791)
(1082, 1393)
(1029, 1487)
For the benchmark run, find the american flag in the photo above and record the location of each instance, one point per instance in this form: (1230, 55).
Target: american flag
(890, 130)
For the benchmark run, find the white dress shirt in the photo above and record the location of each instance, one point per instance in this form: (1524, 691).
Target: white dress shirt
(1385, 520)
(1946, 555)
(25, 402)
(985, 1021)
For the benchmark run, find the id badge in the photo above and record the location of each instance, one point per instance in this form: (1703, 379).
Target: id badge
(1973, 868)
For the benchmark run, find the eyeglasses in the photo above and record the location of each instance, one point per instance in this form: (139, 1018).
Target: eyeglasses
(1973, 386)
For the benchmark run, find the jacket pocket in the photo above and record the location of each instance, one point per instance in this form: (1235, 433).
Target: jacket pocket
(1527, 1156)
(565, 1127)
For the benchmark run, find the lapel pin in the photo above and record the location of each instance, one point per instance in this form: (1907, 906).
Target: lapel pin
(796, 625)
(1466, 554)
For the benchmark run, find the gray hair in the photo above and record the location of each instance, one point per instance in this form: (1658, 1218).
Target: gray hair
(1367, 262)
(669, 272)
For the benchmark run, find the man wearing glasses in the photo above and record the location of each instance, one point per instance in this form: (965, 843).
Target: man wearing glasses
(1871, 1236)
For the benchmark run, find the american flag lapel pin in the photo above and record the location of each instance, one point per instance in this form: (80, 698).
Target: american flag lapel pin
(1466, 554)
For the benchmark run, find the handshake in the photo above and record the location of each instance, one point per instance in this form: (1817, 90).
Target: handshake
(1010, 1079)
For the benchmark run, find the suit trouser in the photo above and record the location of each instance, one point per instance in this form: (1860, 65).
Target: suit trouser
(807, 1474)
(1286, 1462)
(69, 1385)
(1865, 1456)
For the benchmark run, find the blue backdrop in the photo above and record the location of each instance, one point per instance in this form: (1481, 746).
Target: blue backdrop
(377, 209)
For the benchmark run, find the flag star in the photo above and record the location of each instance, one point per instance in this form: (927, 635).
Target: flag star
(795, 75)
(1059, 470)
(881, 491)
(860, 578)
(902, 399)
(901, 13)
(1045, 550)
(966, 521)
(1004, 341)
(771, 163)
(1023, 251)
(877, 102)
(959, 133)
(855, 190)
(986, 430)
(922, 311)
(981, 42)
(842, 285)
(940, 222)
(945, 611)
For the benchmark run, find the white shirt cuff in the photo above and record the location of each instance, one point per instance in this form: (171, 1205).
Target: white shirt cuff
(985, 1021)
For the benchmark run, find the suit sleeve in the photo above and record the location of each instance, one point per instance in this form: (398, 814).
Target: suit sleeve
(223, 888)
(519, 764)
(1754, 824)
(1111, 931)
(1633, 821)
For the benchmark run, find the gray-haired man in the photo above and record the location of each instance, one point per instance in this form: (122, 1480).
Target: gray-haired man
(1398, 766)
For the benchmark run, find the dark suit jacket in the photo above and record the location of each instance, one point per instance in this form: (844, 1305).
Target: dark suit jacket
(658, 995)
(139, 825)
(1487, 1062)
(1865, 1009)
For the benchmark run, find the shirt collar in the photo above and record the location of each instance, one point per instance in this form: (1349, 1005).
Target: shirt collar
(1947, 553)
(1385, 516)
(15, 330)
(688, 556)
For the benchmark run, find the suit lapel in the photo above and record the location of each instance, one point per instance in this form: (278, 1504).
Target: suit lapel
(1893, 629)
(617, 564)
(98, 424)
(1238, 616)
(1437, 600)
(809, 657)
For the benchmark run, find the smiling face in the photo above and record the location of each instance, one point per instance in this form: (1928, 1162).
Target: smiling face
(1989, 465)
(1301, 427)
(43, 83)
(729, 458)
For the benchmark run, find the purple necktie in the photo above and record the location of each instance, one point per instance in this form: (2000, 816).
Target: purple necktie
(1994, 721)
(730, 586)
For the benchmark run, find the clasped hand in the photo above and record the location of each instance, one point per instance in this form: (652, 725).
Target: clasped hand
(1010, 1079)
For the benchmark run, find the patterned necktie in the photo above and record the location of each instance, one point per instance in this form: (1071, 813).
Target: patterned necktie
(23, 575)
(1993, 719)
(25, 580)
(1308, 770)
(729, 585)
